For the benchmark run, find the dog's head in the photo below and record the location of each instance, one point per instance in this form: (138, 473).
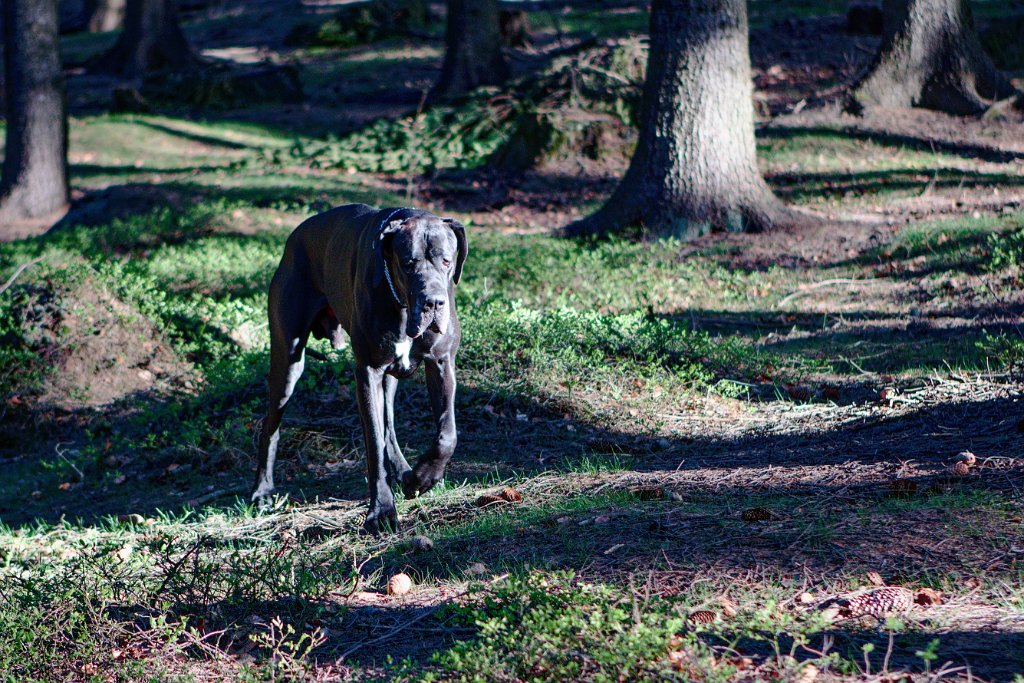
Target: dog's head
(423, 254)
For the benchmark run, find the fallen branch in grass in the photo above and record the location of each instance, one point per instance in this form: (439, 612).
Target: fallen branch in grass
(18, 271)
(61, 452)
(817, 285)
(213, 495)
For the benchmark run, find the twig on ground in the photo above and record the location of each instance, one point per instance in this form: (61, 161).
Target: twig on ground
(61, 452)
(817, 285)
(862, 371)
(357, 571)
(213, 495)
(199, 641)
(18, 271)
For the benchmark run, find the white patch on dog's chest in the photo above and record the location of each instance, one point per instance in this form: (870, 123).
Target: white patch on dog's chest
(402, 349)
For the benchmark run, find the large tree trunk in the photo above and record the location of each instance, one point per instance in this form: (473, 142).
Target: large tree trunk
(931, 58)
(151, 41)
(473, 48)
(694, 169)
(34, 182)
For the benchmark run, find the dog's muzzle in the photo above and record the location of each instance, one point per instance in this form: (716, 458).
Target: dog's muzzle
(431, 311)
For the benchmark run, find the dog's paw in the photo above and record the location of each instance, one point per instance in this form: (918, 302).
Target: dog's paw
(399, 478)
(263, 498)
(381, 519)
(421, 479)
(271, 503)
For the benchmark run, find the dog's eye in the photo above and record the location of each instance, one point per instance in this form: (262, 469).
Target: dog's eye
(445, 262)
(409, 264)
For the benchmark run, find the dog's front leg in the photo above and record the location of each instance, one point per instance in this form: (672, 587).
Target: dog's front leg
(370, 394)
(398, 468)
(429, 468)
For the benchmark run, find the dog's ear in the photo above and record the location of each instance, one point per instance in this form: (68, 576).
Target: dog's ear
(382, 244)
(460, 237)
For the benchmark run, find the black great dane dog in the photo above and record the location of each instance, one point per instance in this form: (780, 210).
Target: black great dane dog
(387, 278)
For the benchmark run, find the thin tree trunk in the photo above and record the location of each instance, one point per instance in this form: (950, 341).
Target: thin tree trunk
(104, 15)
(473, 48)
(695, 169)
(931, 57)
(152, 40)
(34, 182)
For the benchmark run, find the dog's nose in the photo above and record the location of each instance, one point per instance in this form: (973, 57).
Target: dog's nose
(433, 303)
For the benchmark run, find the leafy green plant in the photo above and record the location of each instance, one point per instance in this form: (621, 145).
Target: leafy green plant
(555, 628)
(1006, 349)
(360, 25)
(286, 650)
(1006, 250)
(465, 135)
(440, 137)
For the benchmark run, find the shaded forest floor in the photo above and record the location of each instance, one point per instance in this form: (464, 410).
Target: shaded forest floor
(641, 397)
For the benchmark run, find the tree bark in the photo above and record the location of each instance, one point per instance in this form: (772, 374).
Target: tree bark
(694, 169)
(152, 40)
(931, 58)
(34, 182)
(473, 48)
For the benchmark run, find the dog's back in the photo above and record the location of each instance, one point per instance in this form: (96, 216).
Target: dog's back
(313, 237)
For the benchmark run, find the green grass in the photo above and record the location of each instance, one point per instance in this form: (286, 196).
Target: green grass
(823, 151)
(77, 48)
(76, 603)
(132, 596)
(604, 24)
(764, 13)
(531, 328)
(517, 289)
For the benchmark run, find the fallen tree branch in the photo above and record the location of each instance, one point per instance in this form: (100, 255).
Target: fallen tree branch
(824, 283)
(18, 271)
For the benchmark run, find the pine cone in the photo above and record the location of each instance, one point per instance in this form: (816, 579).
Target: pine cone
(487, 500)
(927, 596)
(648, 492)
(877, 602)
(510, 495)
(967, 458)
(961, 469)
(702, 616)
(756, 515)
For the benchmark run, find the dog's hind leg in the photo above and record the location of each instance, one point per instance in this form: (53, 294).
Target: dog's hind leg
(286, 365)
(288, 337)
(395, 462)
